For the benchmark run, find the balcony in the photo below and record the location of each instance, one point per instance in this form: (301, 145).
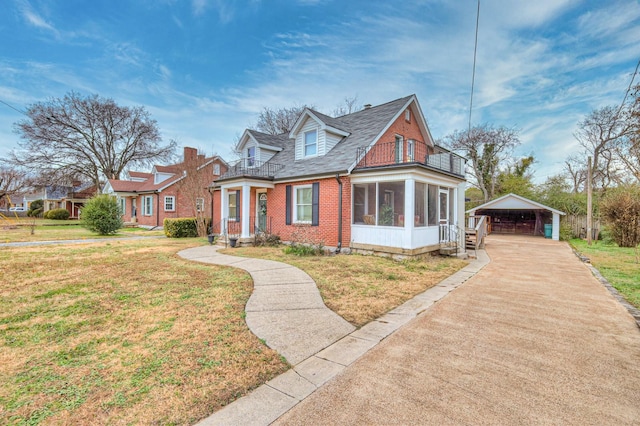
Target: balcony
(248, 167)
(409, 152)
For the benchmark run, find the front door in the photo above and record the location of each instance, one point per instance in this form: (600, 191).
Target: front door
(443, 202)
(262, 211)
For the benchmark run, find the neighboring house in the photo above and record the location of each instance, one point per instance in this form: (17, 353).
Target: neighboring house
(177, 190)
(69, 197)
(372, 181)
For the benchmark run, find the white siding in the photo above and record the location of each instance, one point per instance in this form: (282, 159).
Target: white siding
(331, 141)
(266, 154)
(309, 125)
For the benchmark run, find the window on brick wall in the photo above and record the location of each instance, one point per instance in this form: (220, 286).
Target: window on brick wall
(199, 204)
(147, 205)
(169, 203)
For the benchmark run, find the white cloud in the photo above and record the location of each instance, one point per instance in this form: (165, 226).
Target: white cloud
(34, 19)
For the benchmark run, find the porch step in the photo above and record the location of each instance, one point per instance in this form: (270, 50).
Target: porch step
(448, 251)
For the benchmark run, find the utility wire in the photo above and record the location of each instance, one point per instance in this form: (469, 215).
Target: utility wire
(12, 107)
(473, 74)
(633, 77)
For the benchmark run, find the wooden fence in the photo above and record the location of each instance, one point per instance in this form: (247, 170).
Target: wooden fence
(578, 225)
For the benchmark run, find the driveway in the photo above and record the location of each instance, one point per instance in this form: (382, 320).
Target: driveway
(533, 338)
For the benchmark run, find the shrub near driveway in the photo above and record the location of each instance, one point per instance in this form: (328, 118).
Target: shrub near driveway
(362, 288)
(123, 332)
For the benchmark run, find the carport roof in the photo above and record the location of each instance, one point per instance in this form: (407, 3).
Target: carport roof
(513, 202)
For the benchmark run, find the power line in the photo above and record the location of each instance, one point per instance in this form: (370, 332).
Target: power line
(473, 74)
(633, 77)
(12, 107)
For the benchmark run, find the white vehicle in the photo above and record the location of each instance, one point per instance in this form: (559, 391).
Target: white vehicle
(17, 209)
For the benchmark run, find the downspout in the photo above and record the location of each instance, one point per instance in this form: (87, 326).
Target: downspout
(158, 209)
(339, 247)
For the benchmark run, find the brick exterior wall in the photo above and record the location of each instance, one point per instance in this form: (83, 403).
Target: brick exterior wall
(184, 206)
(327, 230)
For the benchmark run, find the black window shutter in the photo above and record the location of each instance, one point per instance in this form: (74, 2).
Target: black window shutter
(238, 206)
(315, 204)
(288, 205)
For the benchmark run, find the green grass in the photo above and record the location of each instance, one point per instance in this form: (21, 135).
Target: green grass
(620, 266)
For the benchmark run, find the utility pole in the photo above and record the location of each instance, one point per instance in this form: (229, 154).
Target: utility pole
(589, 202)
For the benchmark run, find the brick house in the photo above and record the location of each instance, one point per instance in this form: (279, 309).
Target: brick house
(173, 191)
(372, 181)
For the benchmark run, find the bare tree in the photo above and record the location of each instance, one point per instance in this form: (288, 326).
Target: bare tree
(576, 169)
(12, 182)
(602, 133)
(193, 187)
(278, 121)
(488, 149)
(91, 137)
(349, 106)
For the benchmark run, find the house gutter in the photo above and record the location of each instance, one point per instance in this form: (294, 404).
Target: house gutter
(339, 247)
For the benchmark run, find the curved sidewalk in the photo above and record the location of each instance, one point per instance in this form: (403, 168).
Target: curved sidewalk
(284, 309)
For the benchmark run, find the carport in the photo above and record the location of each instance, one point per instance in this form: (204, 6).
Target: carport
(514, 214)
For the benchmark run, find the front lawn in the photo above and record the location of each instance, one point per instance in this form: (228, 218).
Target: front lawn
(620, 266)
(362, 288)
(123, 332)
(12, 231)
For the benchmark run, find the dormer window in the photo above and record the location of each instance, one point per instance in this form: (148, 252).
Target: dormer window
(310, 143)
(251, 156)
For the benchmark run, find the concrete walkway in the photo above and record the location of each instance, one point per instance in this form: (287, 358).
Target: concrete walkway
(533, 338)
(286, 310)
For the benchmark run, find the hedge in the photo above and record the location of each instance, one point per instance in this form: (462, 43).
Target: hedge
(180, 228)
(57, 214)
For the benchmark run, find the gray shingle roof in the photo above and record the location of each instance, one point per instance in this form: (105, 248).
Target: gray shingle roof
(364, 126)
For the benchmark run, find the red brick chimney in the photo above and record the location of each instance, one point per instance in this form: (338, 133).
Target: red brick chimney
(190, 154)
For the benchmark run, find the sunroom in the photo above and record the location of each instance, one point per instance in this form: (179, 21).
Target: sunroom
(411, 212)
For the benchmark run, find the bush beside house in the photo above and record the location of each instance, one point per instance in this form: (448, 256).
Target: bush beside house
(181, 228)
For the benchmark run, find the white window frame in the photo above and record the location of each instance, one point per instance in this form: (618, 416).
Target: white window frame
(147, 205)
(172, 208)
(251, 159)
(407, 115)
(199, 204)
(234, 205)
(122, 203)
(307, 145)
(216, 169)
(411, 149)
(295, 203)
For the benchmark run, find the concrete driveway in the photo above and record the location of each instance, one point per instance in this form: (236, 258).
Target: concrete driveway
(533, 338)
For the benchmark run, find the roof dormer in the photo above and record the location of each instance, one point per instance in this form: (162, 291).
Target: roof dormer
(257, 147)
(315, 135)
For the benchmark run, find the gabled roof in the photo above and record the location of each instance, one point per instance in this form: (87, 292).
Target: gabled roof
(327, 123)
(263, 140)
(144, 182)
(513, 202)
(364, 127)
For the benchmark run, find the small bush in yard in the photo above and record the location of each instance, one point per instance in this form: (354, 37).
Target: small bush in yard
(58, 214)
(620, 209)
(101, 214)
(181, 228)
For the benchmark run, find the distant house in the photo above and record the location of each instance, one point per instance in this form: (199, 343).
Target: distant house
(372, 181)
(70, 197)
(171, 191)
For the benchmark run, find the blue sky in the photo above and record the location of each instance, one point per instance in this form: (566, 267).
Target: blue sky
(204, 69)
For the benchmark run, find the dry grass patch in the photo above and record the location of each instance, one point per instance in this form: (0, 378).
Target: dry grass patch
(362, 288)
(123, 332)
